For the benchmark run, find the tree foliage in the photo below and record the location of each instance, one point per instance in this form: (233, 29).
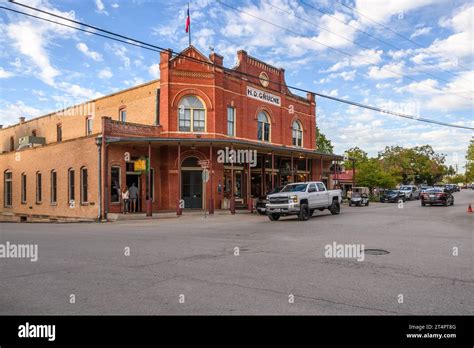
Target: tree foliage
(470, 162)
(323, 144)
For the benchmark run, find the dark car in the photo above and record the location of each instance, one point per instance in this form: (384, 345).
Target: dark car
(437, 196)
(261, 204)
(452, 187)
(392, 196)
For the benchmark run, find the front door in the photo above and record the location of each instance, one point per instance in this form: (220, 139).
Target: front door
(191, 187)
(135, 179)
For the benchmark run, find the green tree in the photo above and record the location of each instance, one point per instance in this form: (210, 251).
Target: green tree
(454, 179)
(470, 162)
(420, 164)
(371, 174)
(356, 153)
(323, 144)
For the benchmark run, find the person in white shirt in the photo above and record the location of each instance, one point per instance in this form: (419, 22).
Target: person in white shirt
(125, 199)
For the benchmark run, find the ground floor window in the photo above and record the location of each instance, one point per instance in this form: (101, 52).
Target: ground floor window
(84, 185)
(39, 188)
(54, 187)
(8, 189)
(115, 184)
(72, 185)
(23, 188)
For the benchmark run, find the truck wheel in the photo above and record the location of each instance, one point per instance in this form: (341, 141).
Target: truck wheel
(303, 215)
(335, 208)
(367, 204)
(311, 211)
(274, 217)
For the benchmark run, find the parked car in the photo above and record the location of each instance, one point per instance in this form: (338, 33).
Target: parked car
(452, 187)
(302, 199)
(411, 191)
(424, 189)
(437, 196)
(261, 205)
(360, 196)
(392, 196)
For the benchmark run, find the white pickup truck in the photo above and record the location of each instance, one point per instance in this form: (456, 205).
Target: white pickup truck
(302, 199)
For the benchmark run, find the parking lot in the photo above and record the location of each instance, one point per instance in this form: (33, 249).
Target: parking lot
(196, 257)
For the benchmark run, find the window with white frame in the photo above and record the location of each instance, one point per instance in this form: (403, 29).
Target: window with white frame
(191, 115)
(297, 134)
(263, 131)
(230, 121)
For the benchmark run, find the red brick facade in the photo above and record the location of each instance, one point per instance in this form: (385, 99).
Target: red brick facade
(154, 114)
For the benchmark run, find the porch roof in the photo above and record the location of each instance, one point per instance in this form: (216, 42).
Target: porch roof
(237, 143)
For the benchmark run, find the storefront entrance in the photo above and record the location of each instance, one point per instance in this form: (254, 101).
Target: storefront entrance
(135, 179)
(191, 188)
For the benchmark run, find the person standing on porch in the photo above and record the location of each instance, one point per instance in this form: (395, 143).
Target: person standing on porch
(133, 191)
(125, 199)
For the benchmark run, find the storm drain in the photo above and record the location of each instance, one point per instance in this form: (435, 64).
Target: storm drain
(376, 252)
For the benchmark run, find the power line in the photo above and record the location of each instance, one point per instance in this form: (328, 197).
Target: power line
(360, 45)
(395, 32)
(374, 37)
(131, 41)
(338, 50)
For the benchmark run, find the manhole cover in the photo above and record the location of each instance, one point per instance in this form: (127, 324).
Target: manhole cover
(376, 252)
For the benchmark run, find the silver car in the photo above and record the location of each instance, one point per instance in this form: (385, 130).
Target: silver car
(411, 191)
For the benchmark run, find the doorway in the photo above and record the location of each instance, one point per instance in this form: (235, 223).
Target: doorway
(135, 179)
(191, 188)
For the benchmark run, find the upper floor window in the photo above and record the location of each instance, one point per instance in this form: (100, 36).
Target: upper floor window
(8, 189)
(230, 121)
(191, 115)
(89, 126)
(297, 134)
(33, 133)
(263, 131)
(12, 144)
(59, 133)
(123, 115)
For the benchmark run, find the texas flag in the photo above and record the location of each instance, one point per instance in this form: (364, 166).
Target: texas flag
(188, 22)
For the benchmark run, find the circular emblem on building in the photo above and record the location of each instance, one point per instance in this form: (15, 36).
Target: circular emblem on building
(264, 80)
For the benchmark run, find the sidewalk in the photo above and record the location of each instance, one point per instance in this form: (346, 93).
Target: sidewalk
(169, 214)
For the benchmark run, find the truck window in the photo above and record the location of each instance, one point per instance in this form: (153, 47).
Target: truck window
(312, 188)
(321, 186)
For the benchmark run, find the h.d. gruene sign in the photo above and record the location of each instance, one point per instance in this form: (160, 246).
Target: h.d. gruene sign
(264, 96)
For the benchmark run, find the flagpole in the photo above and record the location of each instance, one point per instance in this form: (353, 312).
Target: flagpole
(189, 31)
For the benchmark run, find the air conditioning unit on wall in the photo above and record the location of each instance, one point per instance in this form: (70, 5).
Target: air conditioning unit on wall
(30, 141)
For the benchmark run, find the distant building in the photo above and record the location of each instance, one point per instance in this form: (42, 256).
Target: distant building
(74, 163)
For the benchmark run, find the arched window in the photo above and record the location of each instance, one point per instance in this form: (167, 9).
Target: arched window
(191, 115)
(297, 134)
(263, 131)
(190, 162)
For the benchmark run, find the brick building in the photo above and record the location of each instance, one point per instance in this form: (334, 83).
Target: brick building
(74, 162)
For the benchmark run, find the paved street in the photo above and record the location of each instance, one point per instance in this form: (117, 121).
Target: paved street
(195, 257)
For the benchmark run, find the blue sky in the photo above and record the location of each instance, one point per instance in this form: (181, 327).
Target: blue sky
(44, 67)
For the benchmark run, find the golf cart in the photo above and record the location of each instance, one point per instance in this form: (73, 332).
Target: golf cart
(360, 196)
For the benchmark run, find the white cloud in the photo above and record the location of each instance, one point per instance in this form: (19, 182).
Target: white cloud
(105, 73)
(154, 70)
(361, 58)
(87, 52)
(121, 52)
(12, 111)
(391, 70)
(382, 11)
(134, 82)
(420, 32)
(100, 7)
(115, 5)
(5, 74)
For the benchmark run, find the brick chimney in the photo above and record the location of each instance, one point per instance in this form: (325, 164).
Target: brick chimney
(22, 119)
(216, 59)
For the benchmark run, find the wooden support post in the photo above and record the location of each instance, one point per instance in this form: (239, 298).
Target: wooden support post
(211, 200)
(232, 194)
(148, 187)
(179, 211)
(273, 167)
